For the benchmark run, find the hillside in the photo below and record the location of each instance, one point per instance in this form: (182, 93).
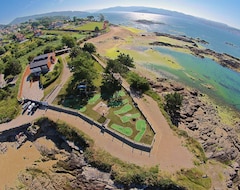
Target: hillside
(51, 14)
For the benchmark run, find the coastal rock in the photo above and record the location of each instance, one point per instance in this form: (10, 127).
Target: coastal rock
(193, 126)
(21, 138)
(3, 148)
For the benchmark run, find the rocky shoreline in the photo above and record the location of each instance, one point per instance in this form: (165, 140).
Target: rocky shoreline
(201, 120)
(223, 59)
(69, 166)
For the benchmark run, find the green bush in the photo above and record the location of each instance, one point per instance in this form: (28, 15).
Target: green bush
(50, 77)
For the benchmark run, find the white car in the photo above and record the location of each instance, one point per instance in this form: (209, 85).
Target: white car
(26, 105)
(30, 107)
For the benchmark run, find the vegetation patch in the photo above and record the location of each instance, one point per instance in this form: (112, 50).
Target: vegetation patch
(83, 109)
(141, 127)
(126, 118)
(94, 99)
(50, 77)
(193, 179)
(121, 93)
(126, 108)
(123, 130)
(90, 26)
(125, 101)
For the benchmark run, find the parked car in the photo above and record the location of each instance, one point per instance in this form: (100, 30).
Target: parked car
(26, 105)
(35, 107)
(30, 107)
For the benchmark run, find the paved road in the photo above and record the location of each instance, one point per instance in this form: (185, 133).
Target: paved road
(66, 74)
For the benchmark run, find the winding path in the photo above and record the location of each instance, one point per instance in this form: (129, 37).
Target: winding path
(167, 152)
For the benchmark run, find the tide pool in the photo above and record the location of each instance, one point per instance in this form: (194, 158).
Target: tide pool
(204, 74)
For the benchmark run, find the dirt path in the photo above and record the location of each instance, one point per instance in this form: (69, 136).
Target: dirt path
(167, 151)
(66, 74)
(24, 77)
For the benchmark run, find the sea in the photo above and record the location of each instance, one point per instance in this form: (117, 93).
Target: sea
(206, 75)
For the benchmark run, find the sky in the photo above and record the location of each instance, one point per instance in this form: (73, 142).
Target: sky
(224, 11)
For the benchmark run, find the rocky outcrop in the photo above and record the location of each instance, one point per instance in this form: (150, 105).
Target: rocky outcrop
(71, 173)
(223, 59)
(200, 120)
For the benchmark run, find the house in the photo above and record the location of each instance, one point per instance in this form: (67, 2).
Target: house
(42, 63)
(37, 33)
(20, 37)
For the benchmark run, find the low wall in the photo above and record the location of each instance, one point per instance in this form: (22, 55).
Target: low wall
(129, 142)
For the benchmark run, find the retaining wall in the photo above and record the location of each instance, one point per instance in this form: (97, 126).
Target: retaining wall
(129, 142)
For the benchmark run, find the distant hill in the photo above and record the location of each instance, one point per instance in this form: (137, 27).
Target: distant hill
(168, 13)
(144, 10)
(60, 13)
(125, 9)
(2, 25)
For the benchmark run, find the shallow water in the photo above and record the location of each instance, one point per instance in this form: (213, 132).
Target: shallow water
(204, 74)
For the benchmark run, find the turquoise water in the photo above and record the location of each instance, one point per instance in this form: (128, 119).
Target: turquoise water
(217, 35)
(225, 82)
(198, 73)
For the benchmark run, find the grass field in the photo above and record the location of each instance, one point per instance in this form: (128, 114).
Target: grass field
(121, 93)
(123, 130)
(141, 127)
(83, 109)
(94, 99)
(125, 101)
(127, 118)
(76, 35)
(90, 26)
(126, 108)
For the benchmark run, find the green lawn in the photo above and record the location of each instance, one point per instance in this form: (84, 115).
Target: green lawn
(123, 130)
(125, 101)
(141, 127)
(126, 108)
(94, 99)
(83, 109)
(76, 35)
(121, 93)
(128, 117)
(90, 26)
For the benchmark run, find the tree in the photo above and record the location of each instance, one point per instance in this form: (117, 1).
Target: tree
(137, 82)
(68, 41)
(13, 67)
(2, 66)
(90, 17)
(89, 47)
(109, 86)
(2, 50)
(83, 68)
(34, 24)
(173, 103)
(75, 51)
(74, 19)
(101, 17)
(96, 29)
(49, 49)
(125, 60)
(114, 66)
(31, 57)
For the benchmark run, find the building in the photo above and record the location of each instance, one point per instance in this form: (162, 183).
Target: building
(42, 63)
